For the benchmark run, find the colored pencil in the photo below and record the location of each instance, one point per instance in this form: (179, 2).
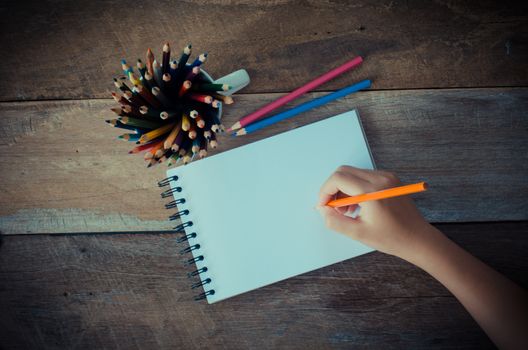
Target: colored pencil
(211, 87)
(120, 85)
(134, 98)
(129, 137)
(372, 196)
(148, 81)
(147, 96)
(132, 111)
(192, 132)
(225, 99)
(184, 88)
(172, 136)
(165, 156)
(166, 115)
(165, 65)
(216, 104)
(118, 110)
(192, 73)
(141, 68)
(157, 73)
(156, 91)
(195, 146)
(200, 97)
(212, 141)
(145, 147)
(120, 99)
(184, 57)
(150, 61)
(167, 83)
(203, 147)
(118, 124)
(173, 68)
(142, 123)
(152, 151)
(187, 158)
(178, 141)
(365, 84)
(173, 159)
(199, 60)
(186, 122)
(199, 121)
(252, 117)
(156, 132)
(149, 111)
(183, 61)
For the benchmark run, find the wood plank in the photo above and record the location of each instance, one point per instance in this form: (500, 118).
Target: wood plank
(131, 291)
(63, 171)
(70, 52)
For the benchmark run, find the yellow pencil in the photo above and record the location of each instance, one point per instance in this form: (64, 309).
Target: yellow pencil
(156, 132)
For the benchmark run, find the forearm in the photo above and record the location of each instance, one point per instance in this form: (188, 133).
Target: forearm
(498, 305)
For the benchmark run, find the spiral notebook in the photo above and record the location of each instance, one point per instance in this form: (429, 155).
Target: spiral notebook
(248, 213)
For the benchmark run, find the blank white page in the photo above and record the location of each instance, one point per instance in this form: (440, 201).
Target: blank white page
(252, 207)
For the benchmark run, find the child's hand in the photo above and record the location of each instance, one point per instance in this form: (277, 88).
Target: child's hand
(393, 226)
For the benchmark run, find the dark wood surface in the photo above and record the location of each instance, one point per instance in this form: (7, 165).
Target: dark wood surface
(71, 51)
(448, 105)
(131, 291)
(469, 144)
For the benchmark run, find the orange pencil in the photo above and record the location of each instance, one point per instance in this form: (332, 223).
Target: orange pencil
(388, 193)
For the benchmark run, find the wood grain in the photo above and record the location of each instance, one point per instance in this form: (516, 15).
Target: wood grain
(130, 291)
(64, 171)
(67, 51)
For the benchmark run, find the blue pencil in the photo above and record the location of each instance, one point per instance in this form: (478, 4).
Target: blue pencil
(365, 84)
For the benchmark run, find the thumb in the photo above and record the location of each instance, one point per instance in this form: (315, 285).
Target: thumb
(339, 222)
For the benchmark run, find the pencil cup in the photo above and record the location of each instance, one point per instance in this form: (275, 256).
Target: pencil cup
(173, 109)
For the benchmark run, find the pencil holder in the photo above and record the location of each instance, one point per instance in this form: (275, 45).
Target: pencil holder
(172, 109)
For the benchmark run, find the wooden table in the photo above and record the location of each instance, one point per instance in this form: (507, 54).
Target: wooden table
(87, 258)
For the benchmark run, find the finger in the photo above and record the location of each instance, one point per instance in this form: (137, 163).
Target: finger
(341, 182)
(340, 223)
(347, 209)
(365, 174)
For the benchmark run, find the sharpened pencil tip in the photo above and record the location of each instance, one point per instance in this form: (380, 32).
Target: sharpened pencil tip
(123, 61)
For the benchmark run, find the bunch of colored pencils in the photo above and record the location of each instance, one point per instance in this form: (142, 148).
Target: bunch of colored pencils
(256, 121)
(170, 108)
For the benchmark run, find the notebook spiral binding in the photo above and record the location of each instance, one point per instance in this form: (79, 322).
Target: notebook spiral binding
(186, 237)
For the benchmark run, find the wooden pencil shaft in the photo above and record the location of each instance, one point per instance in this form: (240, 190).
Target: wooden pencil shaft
(178, 140)
(148, 97)
(225, 99)
(211, 87)
(173, 68)
(157, 132)
(383, 194)
(199, 60)
(165, 59)
(142, 123)
(149, 112)
(184, 88)
(150, 60)
(157, 73)
(132, 111)
(192, 74)
(200, 97)
(172, 136)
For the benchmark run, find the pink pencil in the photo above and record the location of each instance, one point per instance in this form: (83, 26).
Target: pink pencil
(250, 118)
